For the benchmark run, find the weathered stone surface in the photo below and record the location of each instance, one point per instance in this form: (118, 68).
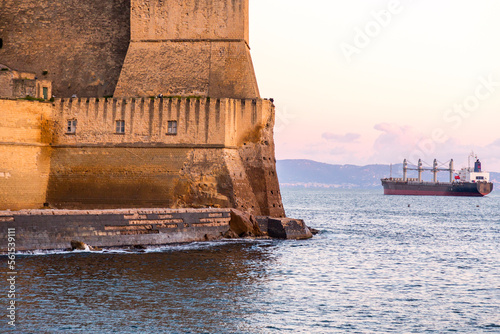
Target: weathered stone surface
(99, 153)
(244, 224)
(14, 84)
(288, 228)
(79, 245)
(131, 48)
(222, 155)
(188, 68)
(25, 134)
(230, 234)
(78, 45)
(94, 229)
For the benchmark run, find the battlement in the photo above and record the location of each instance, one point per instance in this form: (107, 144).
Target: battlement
(174, 121)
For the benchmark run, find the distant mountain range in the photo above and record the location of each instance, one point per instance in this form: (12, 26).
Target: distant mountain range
(308, 173)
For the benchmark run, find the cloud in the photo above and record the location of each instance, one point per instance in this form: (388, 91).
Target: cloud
(338, 151)
(395, 138)
(347, 138)
(494, 145)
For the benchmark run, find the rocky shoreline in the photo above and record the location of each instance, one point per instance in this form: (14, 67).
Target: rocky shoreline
(96, 229)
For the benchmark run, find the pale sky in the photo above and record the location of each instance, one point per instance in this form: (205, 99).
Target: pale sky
(376, 81)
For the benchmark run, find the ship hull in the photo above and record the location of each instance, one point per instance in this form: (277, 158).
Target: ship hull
(479, 189)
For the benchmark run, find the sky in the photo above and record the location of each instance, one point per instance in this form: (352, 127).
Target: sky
(374, 82)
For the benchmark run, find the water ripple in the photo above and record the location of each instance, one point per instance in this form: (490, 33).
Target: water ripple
(380, 264)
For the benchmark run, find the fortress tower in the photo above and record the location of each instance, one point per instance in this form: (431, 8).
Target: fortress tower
(167, 111)
(78, 45)
(131, 48)
(188, 48)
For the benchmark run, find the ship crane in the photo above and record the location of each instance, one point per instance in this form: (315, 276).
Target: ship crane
(420, 168)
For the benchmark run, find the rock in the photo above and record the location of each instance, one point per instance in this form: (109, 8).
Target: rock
(244, 224)
(313, 230)
(288, 228)
(210, 237)
(78, 245)
(263, 222)
(230, 235)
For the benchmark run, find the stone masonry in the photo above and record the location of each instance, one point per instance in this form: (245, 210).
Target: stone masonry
(221, 154)
(131, 48)
(143, 104)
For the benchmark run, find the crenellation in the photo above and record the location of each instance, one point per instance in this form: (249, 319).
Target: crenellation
(199, 121)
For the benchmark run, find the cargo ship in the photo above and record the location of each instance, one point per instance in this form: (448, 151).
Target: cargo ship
(468, 182)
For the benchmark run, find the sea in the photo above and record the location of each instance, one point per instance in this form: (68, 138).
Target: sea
(380, 264)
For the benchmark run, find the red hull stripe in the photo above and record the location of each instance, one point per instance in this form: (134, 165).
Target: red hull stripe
(429, 193)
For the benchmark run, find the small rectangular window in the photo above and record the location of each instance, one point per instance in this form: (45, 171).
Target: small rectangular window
(120, 126)
(71, 126)
(172, 128)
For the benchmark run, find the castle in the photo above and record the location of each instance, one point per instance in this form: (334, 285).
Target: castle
(133, 104)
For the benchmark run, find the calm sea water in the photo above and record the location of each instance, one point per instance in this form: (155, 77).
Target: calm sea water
(380, 264)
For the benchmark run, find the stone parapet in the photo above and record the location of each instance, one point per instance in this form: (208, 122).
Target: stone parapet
(149, 121)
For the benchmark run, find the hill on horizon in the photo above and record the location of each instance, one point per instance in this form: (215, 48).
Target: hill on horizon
(309, 173)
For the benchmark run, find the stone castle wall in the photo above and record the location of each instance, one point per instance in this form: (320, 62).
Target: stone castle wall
(25, 136)
(221, 156)
(94, 152)
(78, 45)
(189, 19)
(131, 48)
(188, 48)
(200, 121)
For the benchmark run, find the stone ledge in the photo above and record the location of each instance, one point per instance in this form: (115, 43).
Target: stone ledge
(55, 228)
